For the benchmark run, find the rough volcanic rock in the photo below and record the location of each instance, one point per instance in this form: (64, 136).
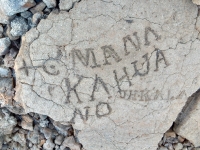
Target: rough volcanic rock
(7, 123)
(19, 26)
(50, 3)
(118, 71)
(67, 4)
(4, 45)
(11, 7)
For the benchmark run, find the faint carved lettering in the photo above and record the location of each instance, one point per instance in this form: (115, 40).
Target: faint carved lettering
(98, 79)
(147, 31)
(85, 59)
(108, 52)
(147, 64)
(69, 89)
(103, 114)
(159, 54)
(128, 38)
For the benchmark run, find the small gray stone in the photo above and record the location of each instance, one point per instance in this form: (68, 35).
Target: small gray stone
(66, 4)
(178, 146)
(47, 133)
(20, 138)
(62, 129)
(44, 123)
(13, 52)
(19, 26)
(43, 117)
(1, 141)
(180, 139)
(162, 148)
(59, 139)
(34, 148)
(48, 145)
(3, 18)
(4, 45)
(5, 72)
(71, 143)
(12, 38)
(1, 28)
(7, 123)
(26, 14)
(7, 138)
(50, 3)
(36, 18)
(11, 7)
(27, 122)
(38, 8)
(33, 137)
(9, 61)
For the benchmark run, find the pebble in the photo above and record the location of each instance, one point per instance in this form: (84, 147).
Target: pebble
(50, 3)
(38, 8)
(3, 18)
(162, 148)
(70, 142)
(26, 14)
(48, 145)
(33, 137)
(27, 122)
(9, 61)
(44, 123)
(11, 7)
(1, 31)
(180, 139)
(13, 52)
(59, 139)
(47, 132)
(66, 4)
(5, 72)
(36, 18)
(19, 26)
(62, 129)
(20, 138)
(4, 45)
(34, 148)
(170, 134)
(178, 146)
(11, 37)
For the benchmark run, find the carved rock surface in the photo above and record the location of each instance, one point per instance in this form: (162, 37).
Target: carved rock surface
(118, 71)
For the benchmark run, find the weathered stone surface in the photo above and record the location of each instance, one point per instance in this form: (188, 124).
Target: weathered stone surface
(26, 14)
(70, 142)
(19, 26)
(20, 138)
(7, 123)
(50, 3)
(3, 18)
(39, 7)
(11, 7)
(4, 45)
(66, 4)
(5, 72)
(186, 124)
(48, 145)
(27, 122)
(118, 71)
(6, 90)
